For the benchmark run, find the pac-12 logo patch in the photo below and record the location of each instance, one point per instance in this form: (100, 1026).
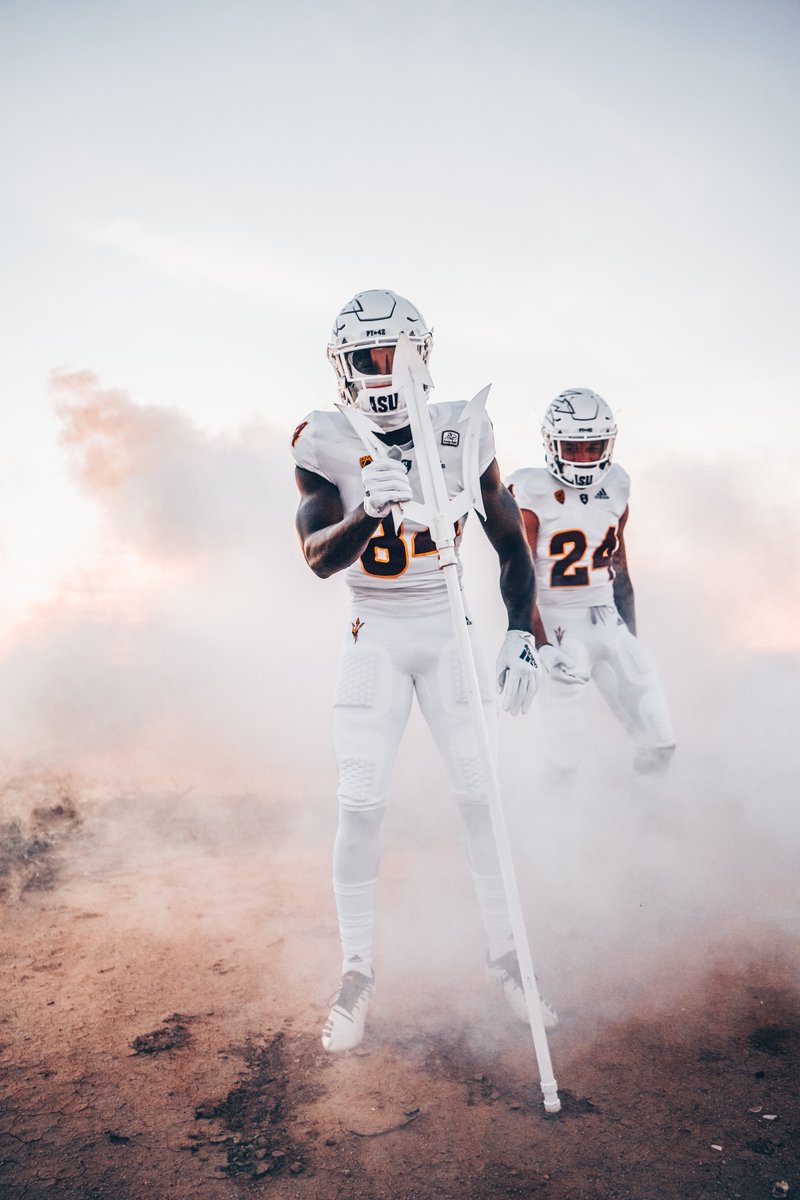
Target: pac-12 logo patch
(298, 431)
(584, 498)
(365, 460)
(450, 437)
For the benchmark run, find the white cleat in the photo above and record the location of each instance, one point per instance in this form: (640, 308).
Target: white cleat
(344, 1027)
(505, 973)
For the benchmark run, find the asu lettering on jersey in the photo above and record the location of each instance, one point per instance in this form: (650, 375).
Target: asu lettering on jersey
(577, 534)
(396, 562)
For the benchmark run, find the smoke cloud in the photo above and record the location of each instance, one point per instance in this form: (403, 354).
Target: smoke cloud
(177, 654)
(197, 651)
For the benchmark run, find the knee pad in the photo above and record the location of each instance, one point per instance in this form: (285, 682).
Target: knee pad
(633, 658)
(356, 778)
(652, 717)
(655, 722)
(471, 787)
(628, 680)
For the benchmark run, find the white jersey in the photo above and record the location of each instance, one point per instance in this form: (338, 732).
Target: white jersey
(578, 534)
(395, 563)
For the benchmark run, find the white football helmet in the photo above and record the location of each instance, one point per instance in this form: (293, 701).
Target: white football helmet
(578, 431)
(361, 351)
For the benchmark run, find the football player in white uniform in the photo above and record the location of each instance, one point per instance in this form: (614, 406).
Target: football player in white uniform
(575, 511)
(399, 638)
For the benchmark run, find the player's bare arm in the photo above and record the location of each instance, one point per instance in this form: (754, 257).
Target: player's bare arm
(504, 529)
(331, 539)
(623, 587)
(530, 523)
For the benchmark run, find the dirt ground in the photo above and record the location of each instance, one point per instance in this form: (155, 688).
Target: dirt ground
(166, 963)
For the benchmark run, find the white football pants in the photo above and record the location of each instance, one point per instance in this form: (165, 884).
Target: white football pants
(623, 671)
(385, 660)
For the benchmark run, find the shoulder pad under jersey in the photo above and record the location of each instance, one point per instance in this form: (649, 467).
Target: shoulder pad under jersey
(315, 437)
(618, 485)
(530, 485)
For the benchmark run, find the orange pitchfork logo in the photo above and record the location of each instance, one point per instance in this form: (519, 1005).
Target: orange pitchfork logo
(356, 628)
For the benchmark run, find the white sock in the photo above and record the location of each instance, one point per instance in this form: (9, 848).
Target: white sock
(494, 912)
(355, 904)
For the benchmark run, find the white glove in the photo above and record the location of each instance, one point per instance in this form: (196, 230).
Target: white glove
(385, 483)
(518, 671)
(562, 666)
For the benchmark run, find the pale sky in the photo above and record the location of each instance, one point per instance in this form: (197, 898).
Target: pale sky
(575, 193)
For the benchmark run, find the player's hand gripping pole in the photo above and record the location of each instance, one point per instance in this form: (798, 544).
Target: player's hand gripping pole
(440, 512)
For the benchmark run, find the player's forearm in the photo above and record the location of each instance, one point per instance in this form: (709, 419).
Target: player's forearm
(623, 598)
(504, 529)
(517, 588)
(337, 547)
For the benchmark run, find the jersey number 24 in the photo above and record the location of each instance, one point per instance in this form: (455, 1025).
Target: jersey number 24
(568, 548)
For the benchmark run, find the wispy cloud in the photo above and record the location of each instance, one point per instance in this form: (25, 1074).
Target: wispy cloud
(163, 647)
(257, 272)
